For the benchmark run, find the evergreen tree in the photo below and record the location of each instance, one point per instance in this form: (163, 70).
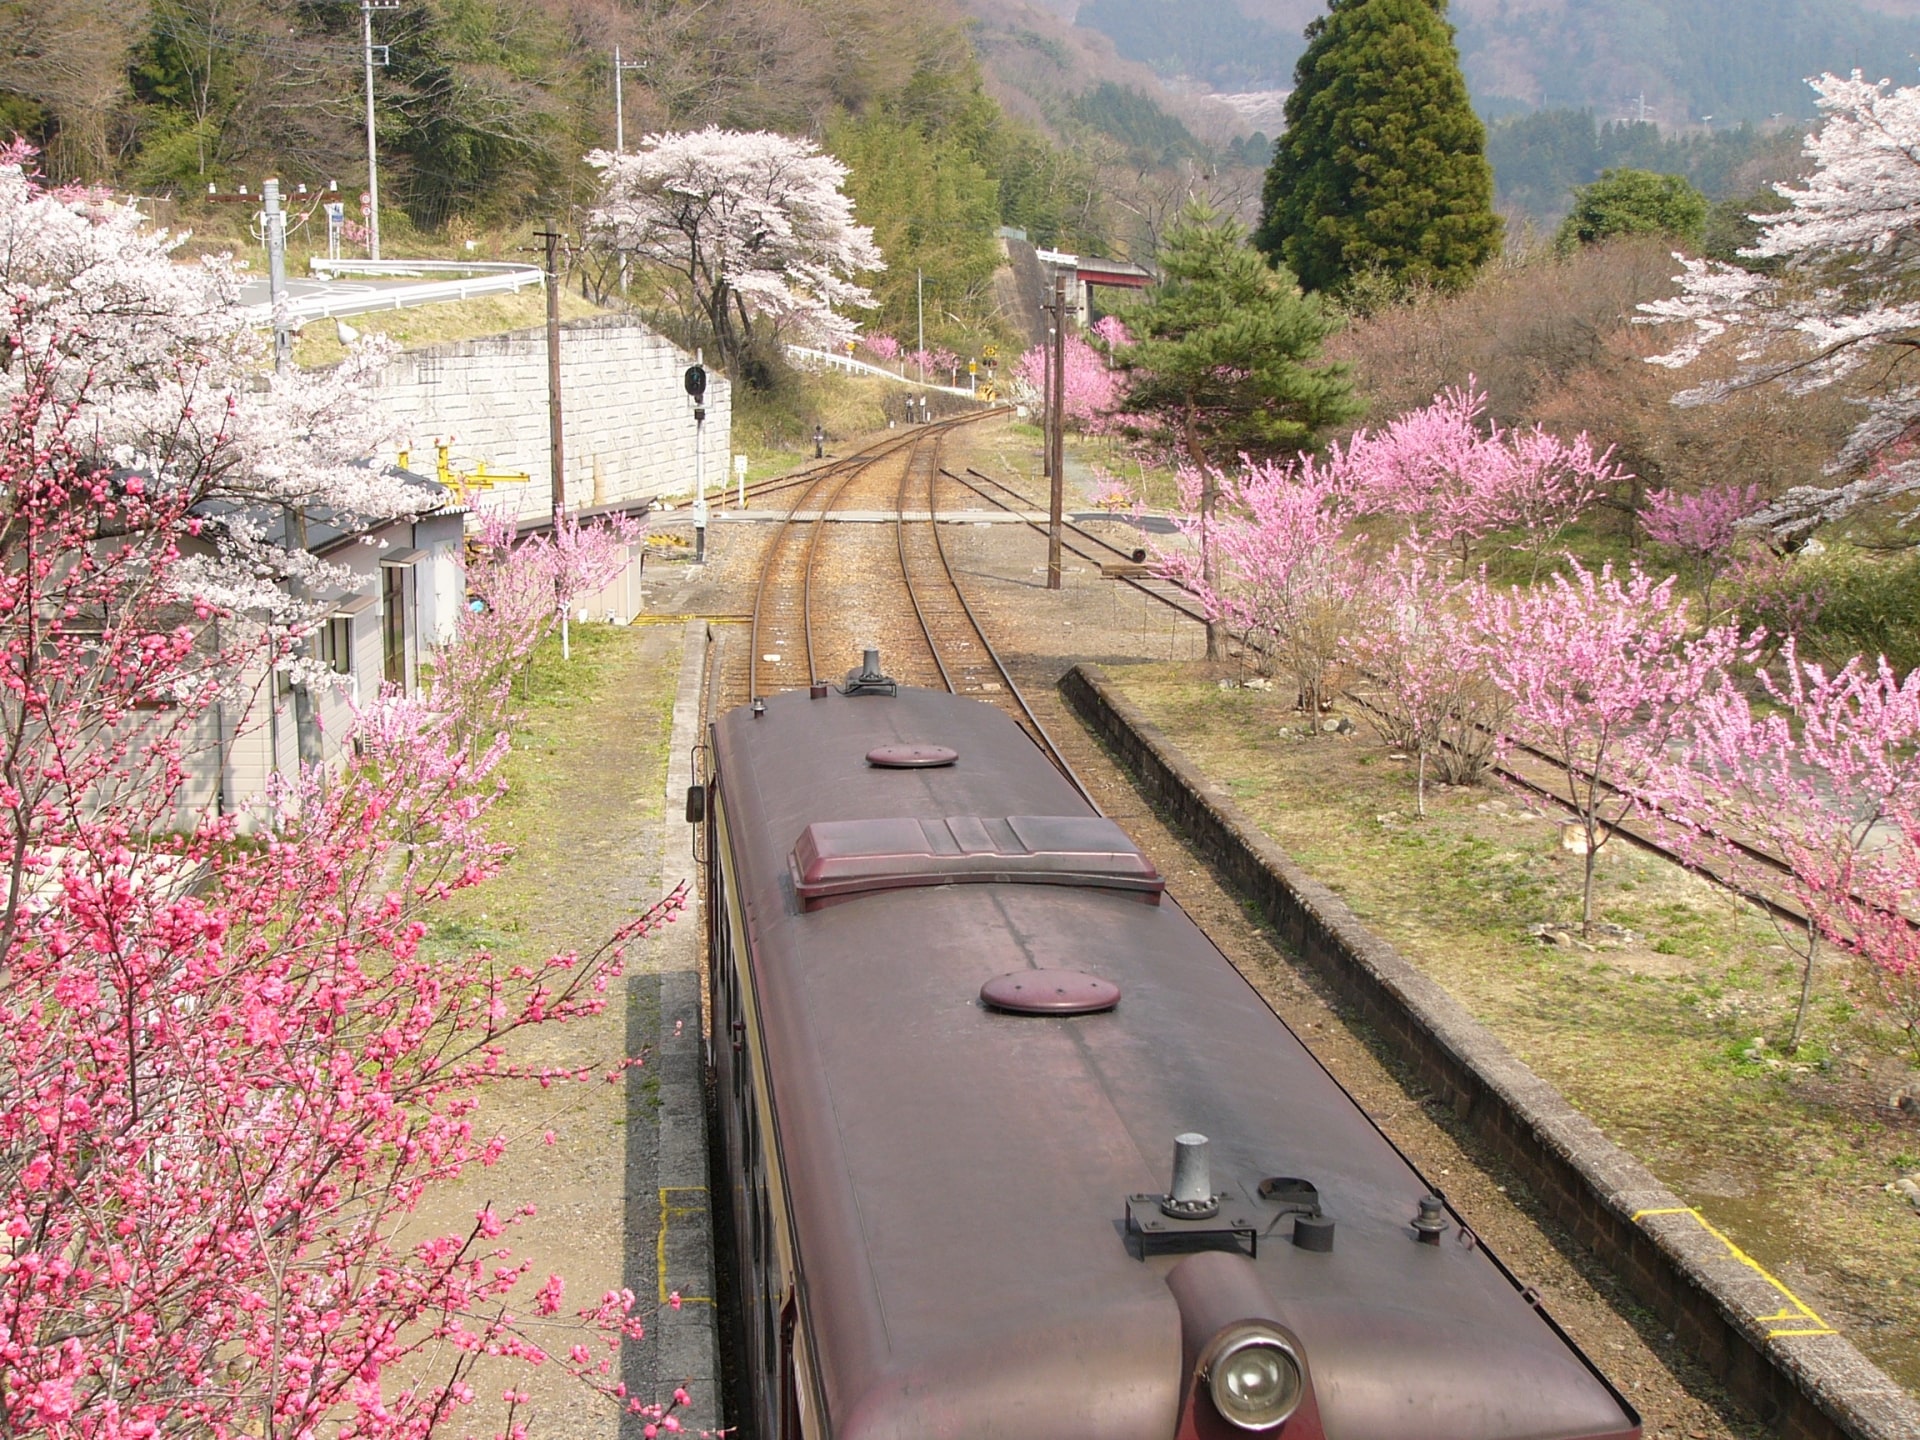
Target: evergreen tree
(1225, 364)
(1382, 169)
(1634, 202)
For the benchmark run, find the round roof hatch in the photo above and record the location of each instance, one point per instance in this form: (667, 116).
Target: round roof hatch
(911, 757)
(1050, 992)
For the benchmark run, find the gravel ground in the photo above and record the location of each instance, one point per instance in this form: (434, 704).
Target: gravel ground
(1041, 635)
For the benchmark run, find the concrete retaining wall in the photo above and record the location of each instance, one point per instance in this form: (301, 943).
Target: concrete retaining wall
(629, 425)
(1776, 1355)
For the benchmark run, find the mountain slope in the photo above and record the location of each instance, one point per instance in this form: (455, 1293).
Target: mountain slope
(1681, 60)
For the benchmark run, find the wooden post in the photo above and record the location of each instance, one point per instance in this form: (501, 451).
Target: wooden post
(556, 443)
(1056, 442)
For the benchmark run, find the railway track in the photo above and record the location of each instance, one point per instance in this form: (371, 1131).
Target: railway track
(798, 632)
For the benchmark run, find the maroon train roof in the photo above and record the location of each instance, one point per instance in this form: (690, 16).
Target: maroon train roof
(959, 1174)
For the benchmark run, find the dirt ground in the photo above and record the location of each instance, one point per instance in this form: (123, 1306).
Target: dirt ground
(587, 777)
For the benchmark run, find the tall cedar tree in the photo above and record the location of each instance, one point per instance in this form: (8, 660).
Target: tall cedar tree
(1382, 170)
(1224, 366)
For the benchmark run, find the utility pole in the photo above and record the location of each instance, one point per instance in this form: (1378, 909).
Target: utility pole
(556, 443)
(620, 67)
(920, 320)
(276, 227)
(1056, 441)
(367, 7)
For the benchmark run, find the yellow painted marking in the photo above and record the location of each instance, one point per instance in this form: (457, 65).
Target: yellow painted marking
(667, 1211)
(1795, 1313)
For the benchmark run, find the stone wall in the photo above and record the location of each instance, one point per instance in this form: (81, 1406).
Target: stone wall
(1803, 1379)
(629, 426)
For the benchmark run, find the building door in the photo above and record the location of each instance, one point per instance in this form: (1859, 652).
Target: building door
(393, 624)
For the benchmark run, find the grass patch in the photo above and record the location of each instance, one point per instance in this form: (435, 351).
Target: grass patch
(318, 343)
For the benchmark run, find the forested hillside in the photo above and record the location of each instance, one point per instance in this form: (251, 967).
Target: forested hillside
(1732, 59)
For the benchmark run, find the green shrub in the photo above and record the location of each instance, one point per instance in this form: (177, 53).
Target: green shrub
(1840, 603)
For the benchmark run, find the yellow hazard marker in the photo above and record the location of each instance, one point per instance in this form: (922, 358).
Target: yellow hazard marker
(669, 1211)
(1796, 1317)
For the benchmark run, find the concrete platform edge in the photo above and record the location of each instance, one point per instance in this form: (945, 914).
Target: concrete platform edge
(686, 1341)
(1721, 1306)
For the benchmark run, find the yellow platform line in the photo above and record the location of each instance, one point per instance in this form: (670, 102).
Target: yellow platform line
(1796, 1313)
(668, 1211)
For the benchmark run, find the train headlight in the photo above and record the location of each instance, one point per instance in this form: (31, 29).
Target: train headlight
(1254, 1378)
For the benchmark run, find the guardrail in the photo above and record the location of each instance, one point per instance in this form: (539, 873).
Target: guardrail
(861, 367)
(476, 278)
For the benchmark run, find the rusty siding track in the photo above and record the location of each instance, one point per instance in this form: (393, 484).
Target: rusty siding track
(1784, 1362)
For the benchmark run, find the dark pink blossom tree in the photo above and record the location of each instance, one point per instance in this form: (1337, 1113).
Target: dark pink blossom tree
(1823, 779)
(229, 1072)
(1284, 570)
(1091, 386)
(1603, 677)
(1702, 528)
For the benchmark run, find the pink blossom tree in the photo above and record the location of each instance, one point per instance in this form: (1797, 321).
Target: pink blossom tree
(752, 228)
(882, 347)
(229, 1073)
(1112, 332)
(1283, 571)
(1459, 479)
(1702, 528)
(1427, 671)
(1091, 386)
(1823, 780)
(1603, 676)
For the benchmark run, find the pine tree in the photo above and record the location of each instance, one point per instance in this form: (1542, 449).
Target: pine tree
(1227, 363)
(1382, 171)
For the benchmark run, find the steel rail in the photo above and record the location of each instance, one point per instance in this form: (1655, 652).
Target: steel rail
(844, 469)
(1170, 601)
(1026, 715)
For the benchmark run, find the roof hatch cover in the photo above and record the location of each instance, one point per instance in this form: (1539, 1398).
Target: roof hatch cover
(855, 857)
(1050, 992)
(911, 757)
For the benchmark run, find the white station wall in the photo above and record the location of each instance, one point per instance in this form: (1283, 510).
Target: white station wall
(629, 425)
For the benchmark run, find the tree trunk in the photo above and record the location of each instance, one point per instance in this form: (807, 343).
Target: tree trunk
(1806, 989)
(1586, 891)
(1208, 491)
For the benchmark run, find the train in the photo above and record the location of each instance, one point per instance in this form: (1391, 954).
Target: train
(1003, 1145)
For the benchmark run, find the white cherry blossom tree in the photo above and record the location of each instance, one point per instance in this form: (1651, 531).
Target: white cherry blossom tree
(1844, 305)
(751, 229)
(145, 367)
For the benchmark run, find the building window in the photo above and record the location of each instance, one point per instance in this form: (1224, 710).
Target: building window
(334, 644)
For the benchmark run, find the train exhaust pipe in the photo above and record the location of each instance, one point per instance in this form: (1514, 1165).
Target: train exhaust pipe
(1191, 1196)
(870, 679)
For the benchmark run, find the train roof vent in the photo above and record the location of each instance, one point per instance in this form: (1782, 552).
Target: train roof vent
(1050, 992)
(911, 757)
(852, 857)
